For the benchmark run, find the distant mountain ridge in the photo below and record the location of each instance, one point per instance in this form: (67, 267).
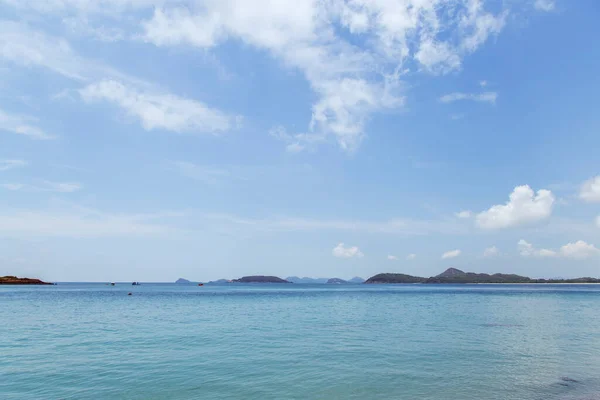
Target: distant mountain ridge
(453, 275)
(296, 279)
(260, 279)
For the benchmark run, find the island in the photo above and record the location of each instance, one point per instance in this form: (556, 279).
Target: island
(181, 280)
(220, 281)
(456, 276)
(13, 280)
(336, 281)
(260, 279)
(356, 279)
(395, 278)
(296, 279)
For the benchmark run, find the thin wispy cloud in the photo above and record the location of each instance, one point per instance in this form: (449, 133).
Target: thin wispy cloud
(22, 125)
(486, 97)
(6, 165)
(545, 5)
(160, 111)
(44, 186)
(79, 223)
(202, 173)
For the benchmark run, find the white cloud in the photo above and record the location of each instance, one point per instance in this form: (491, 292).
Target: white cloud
(486, 97)
(44, 186)
(352, 81)
(491, 252)
(392, 258)
(5, 165)
(523, 207)
(346, 252)
(21, 45)
(411, 256)
(590, 190)
(483, 83)
(451, 254)
(464, 214)
(527, 250)
(544, 5)
(579, 250)
(295, 143)
(160, 111)
(22, 125)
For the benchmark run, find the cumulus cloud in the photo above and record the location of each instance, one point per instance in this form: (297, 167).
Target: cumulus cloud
(451, 254)
(160, 111)
(524, 206)
(491, 252)
(411, 256)
(5, 165)
(578, 250)
(464, 214)
(487, 97)
(392, 258)
(526, 249)
(590, 190)
(342, 251)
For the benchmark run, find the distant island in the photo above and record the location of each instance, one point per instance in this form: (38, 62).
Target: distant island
(336, 281)
(260, 279)
(13, 280)
(220, 281)
(181, 280)
(453, 275)
(295, 279)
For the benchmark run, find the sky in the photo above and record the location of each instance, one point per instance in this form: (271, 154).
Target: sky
(147, 140)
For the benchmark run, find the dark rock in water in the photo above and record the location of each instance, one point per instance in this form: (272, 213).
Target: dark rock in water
(13, 280)
(336, 281)
(129, 294)
(181, 280)
(567, 379)
(260, 279)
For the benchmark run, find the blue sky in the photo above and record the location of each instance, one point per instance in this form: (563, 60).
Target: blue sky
(153, 139)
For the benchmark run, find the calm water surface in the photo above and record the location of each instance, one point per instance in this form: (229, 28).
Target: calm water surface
(92, 341)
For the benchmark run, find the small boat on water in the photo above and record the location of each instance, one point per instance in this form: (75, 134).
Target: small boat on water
(112, 284)
(135, 284)
(201, 284)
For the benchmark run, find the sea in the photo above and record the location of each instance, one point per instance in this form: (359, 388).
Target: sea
(294, 341)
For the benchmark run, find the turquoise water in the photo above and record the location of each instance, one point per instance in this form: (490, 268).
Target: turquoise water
(92, 341)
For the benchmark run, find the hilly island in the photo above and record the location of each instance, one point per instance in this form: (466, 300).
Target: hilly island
(453, 275)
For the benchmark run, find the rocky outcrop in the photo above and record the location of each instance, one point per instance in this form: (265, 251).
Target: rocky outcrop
(13, 280)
